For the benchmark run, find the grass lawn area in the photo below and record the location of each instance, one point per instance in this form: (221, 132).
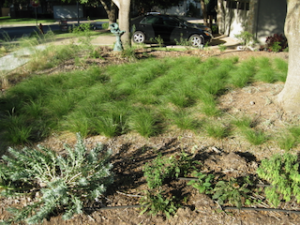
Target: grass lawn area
(8, 20)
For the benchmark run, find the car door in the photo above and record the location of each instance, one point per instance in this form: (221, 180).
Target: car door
(178, 31)
(152, 27)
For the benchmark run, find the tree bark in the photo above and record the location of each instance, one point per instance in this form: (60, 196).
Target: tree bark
(203, 8)
(221, 12)
(289, 97)
(111, 11)
(124, 19)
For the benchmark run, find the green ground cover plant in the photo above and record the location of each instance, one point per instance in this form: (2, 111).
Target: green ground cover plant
(158, 203)
(282, 172)
(60, 183)
(165, 167)
(235, 191)
(156, 172)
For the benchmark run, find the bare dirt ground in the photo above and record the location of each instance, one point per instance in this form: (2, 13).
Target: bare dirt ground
(231, 157)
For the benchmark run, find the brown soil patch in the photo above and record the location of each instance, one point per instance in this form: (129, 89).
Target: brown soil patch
(231, 157)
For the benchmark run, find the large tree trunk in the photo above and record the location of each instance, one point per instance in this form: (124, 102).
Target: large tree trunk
(289, 97)
(124, 19)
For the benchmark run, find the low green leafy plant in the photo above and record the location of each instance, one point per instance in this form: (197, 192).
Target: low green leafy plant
(156, 203)
(60, 183)
(204, 183)
(222, 47)
(282, 171)
(245, 36)
(160, 41)
(183, 42)
(276, 42)
(232, 191)
(167, 167)
(275, 47)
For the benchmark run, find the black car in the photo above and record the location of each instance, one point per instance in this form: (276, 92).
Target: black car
(171, 29)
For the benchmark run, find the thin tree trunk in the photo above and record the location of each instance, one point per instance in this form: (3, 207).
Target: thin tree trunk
(221, 17)
(289, 97)
(111, 11)
(203, 8)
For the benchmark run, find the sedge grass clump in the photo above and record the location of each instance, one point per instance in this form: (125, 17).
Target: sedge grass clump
(286, 141)
(77, 122)
(144, 121)
(243, 74)
(267, 75)
(113, 119)
(213, 83)
(183, 120)
(218, 131)
(60, 183)
(179, 98)
(255, 137)
(15, 128)
(295, 132)
(244, 122)
(208, 105)
(281, 66)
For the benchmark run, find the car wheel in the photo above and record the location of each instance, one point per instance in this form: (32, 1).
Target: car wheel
(196, 40)
(138, 37)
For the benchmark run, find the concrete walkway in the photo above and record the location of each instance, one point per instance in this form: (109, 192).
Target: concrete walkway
(18, 58)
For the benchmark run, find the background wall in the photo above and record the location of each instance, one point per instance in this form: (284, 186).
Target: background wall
(271, 18)
(67, 11)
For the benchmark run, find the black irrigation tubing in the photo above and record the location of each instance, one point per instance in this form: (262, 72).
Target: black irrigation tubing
(262, 209)
(223, 208)
(113, 207)
(194, 178)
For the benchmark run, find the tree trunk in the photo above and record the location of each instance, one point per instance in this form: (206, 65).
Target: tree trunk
(112, 15)
(289, 97)
(124, 19)
(221, 17)
(111, 11)
(203, 8)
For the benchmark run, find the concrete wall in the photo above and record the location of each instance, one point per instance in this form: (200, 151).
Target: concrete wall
(271, 18)
(264, 18)
(67, 11)
(235, 20)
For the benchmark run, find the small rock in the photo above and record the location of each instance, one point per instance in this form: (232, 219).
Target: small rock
(252, 103)
(216, 150)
